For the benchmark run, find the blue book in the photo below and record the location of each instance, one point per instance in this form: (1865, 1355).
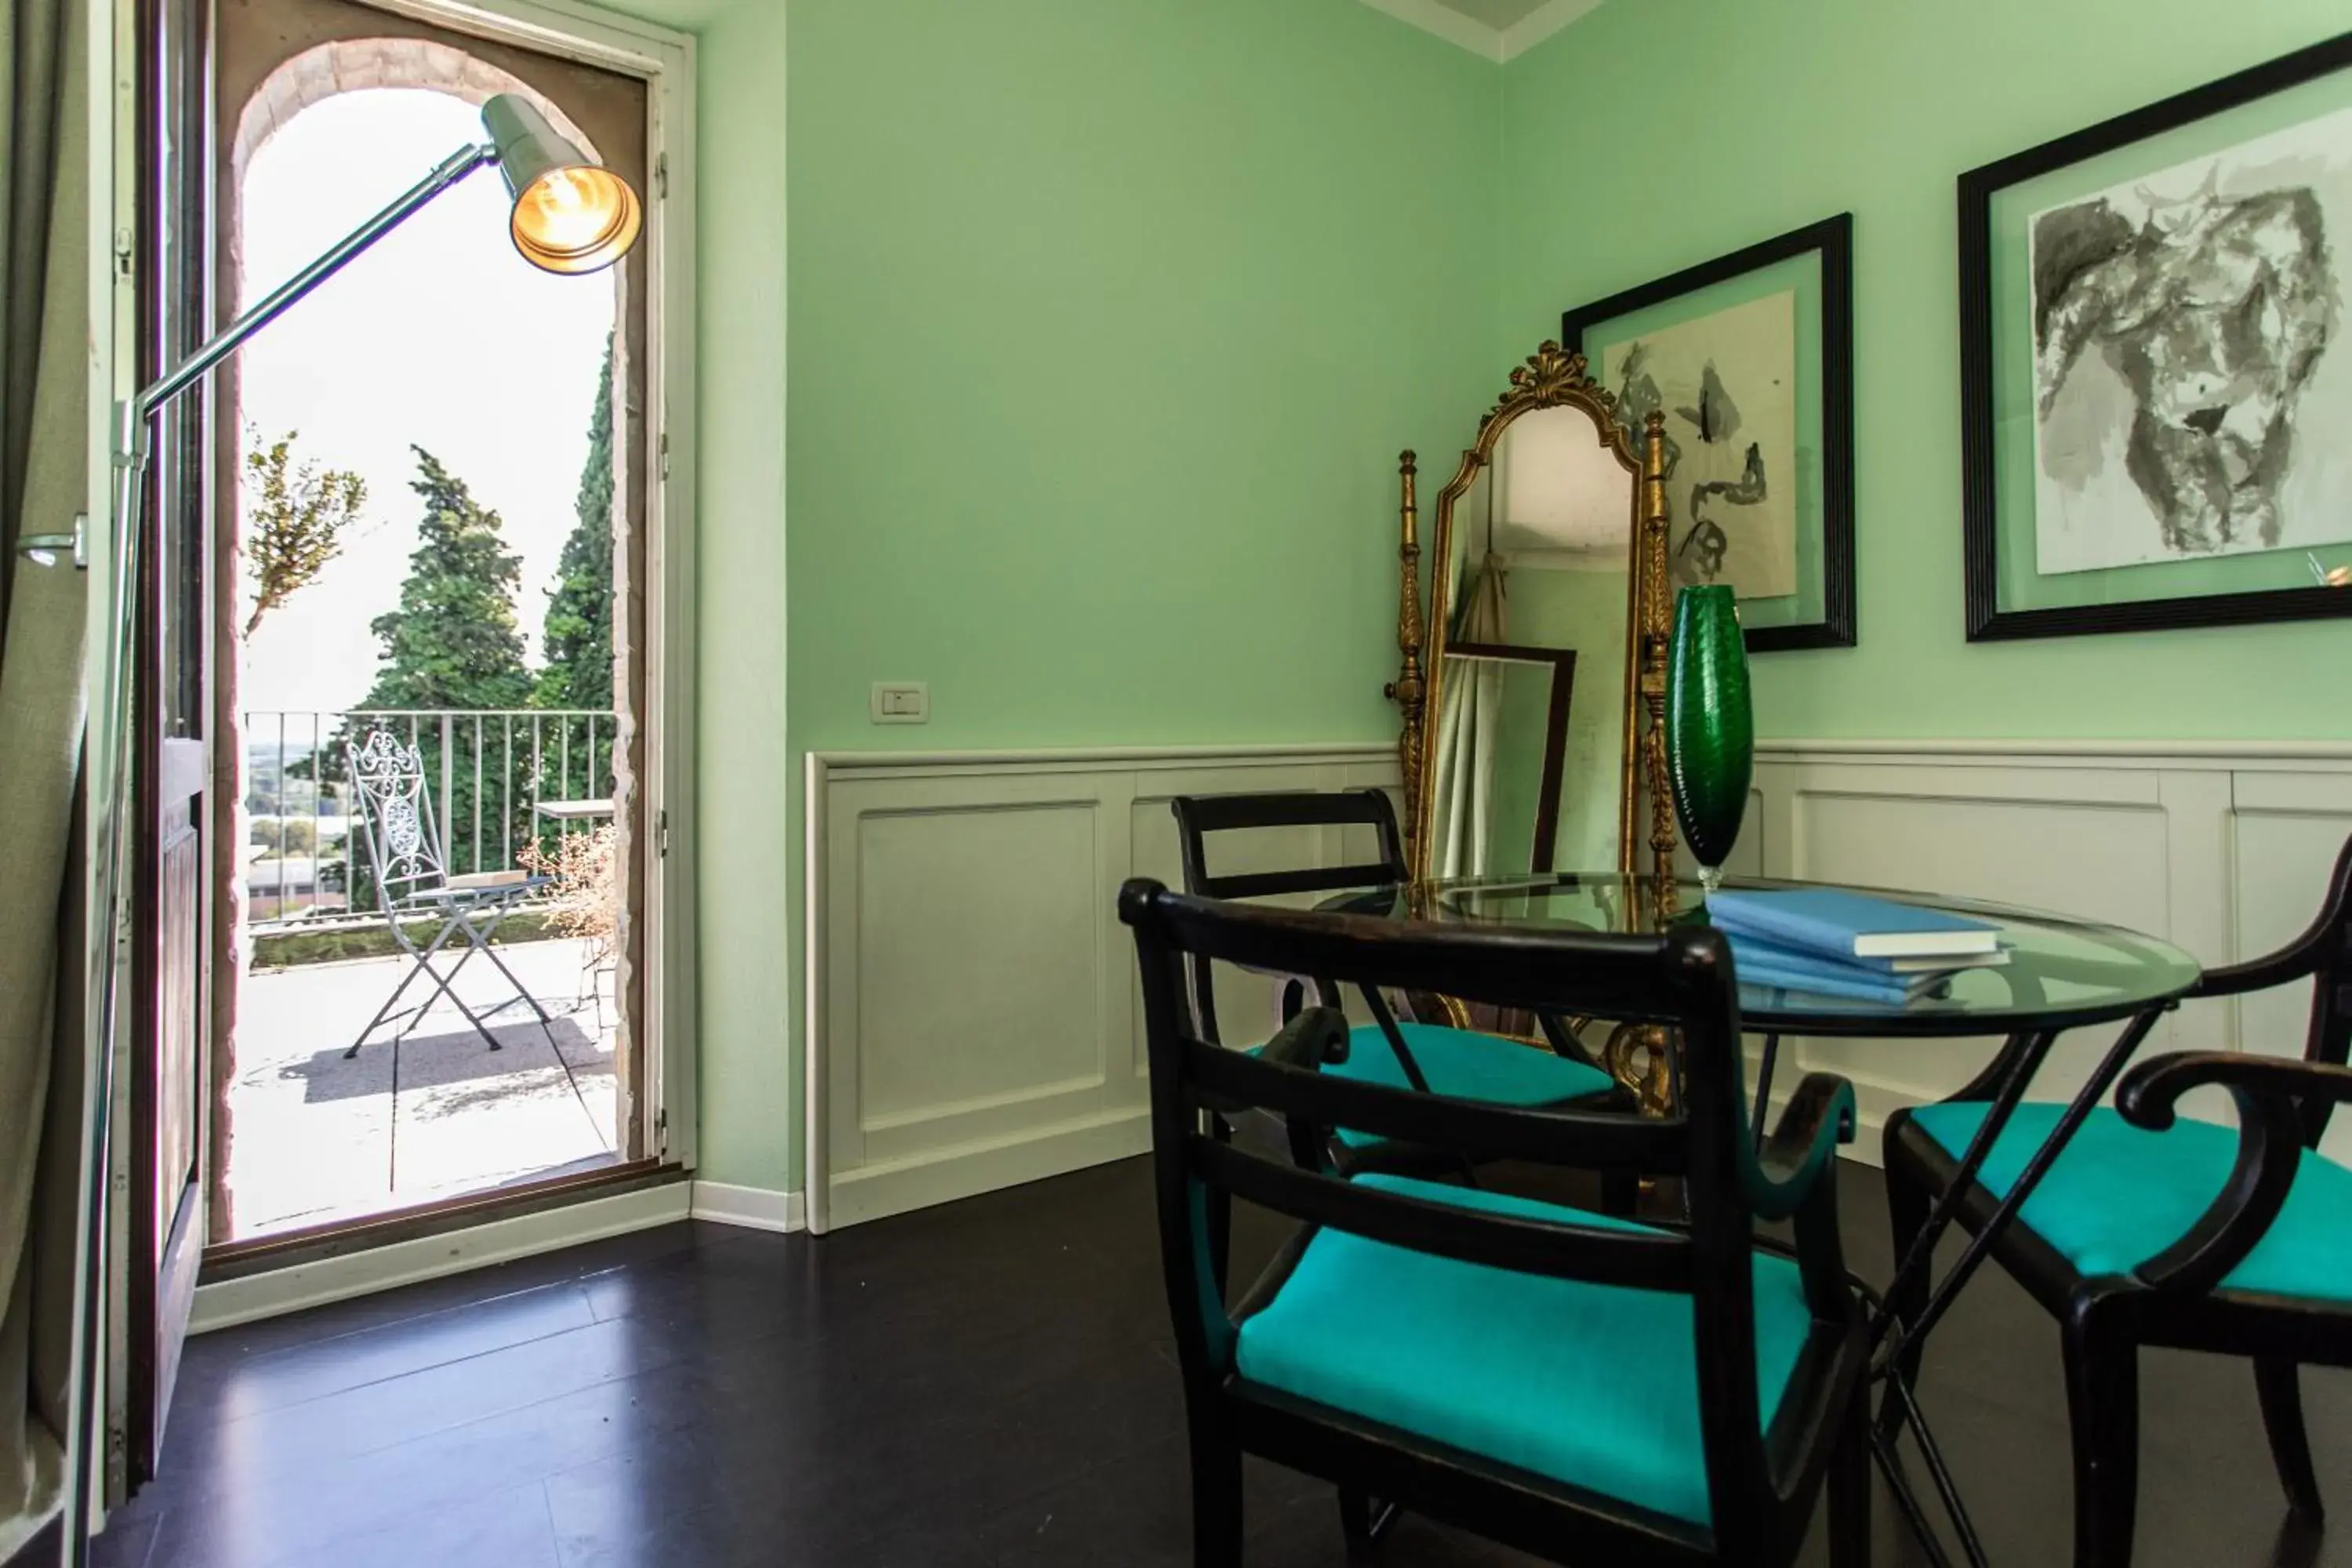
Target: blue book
(1827, 977)
(1756, 948)
(1845, 925)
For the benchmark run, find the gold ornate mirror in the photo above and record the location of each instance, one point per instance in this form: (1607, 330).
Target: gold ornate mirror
(1534, 732)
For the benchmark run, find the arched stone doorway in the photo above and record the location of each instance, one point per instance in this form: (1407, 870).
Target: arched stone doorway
(279, 58)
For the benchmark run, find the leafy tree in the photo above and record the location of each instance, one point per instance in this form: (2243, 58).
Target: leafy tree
(577, 636)
(296, 515)
(283, 836)
(453, 642)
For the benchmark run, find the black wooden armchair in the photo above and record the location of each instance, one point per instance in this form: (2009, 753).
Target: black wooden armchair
(1398, 1054)
(2151, 1230)
(1581, 1388)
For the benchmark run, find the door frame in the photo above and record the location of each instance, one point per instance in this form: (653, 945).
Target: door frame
(159, 1226)
(664, 59)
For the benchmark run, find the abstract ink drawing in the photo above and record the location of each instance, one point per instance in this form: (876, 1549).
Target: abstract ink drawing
(2183, 382)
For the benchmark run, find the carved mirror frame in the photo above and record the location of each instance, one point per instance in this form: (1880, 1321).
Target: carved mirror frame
(1549, 379)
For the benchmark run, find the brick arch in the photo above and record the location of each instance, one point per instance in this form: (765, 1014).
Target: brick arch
(352, 65)
(321, 72)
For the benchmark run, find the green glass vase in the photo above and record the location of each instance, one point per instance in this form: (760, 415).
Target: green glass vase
(1710, 726)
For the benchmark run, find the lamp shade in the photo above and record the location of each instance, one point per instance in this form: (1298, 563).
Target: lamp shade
(571, 215)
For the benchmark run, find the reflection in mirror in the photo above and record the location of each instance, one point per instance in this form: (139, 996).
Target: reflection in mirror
(1532, 681)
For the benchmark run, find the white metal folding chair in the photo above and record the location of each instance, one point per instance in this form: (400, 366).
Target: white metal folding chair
(412, 878)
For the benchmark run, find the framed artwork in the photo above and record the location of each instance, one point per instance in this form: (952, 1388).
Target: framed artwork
(1750, 358)
(2154, 373)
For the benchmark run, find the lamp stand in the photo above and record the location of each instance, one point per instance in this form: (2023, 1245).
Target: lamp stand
(108, 936)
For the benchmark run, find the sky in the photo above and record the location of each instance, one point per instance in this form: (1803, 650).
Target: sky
(440, 336)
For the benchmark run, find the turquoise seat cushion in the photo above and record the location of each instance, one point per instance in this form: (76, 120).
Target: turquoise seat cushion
(1467, 1066)
(2119, 1195)
(1591, 1384)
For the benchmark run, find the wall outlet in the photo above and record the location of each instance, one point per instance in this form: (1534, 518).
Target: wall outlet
(902, 702)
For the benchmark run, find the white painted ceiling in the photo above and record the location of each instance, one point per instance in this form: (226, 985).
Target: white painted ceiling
(1495, 14)
(1498, 29)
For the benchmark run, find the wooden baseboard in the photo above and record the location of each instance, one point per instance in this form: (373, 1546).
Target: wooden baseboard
(754, 1208)
(225, 1304)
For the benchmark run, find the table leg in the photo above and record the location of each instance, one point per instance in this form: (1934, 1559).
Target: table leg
(1890, 1461)
(1764, 1083)
(2007, 1079)
(2078, 1110)
(2018, 1061)
(1898, 1483)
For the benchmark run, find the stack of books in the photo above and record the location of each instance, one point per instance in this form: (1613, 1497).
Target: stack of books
(1850, 945)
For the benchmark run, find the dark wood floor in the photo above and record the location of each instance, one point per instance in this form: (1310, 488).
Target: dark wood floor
(986, 1383)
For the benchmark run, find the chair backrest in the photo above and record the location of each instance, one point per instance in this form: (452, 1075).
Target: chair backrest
(395, 817)
(2324, 953)
(1682, 979)
(1199, 816)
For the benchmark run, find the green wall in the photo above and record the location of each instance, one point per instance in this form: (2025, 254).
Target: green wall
(1106, 324)
(1657, 134)
(747, 937)
(1106, 321)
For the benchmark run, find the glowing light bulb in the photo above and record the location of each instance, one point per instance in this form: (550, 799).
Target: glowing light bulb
(575, 219)
(571, 213)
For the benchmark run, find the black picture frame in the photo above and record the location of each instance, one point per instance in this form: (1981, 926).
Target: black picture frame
(1832, 238)
(1979, 479)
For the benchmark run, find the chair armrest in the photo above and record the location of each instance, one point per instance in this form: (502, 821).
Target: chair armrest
(1818, 1118)
(484, 882)
(1562, 1037)
(2151, 1091)
(1306, 1041)
(2269, 1092)
(461, 889)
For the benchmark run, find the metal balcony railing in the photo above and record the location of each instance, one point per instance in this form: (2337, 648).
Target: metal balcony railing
(487, 770)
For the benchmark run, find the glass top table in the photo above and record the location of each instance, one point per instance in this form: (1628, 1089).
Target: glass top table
(2063, 974)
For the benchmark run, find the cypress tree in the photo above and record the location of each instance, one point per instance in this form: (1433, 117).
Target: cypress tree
(577, 636)
(453, 641)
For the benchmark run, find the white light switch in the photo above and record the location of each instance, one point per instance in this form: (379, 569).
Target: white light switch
(901, 703)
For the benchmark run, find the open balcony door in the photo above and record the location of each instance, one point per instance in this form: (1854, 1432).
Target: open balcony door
(192, 58)
(273, 60)
(159, 1232)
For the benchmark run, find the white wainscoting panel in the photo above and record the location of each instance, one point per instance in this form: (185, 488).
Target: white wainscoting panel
(2222, 850)
(973, 1019)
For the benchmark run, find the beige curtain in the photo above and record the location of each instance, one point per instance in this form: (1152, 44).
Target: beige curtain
(44, 387)
(1466, 733)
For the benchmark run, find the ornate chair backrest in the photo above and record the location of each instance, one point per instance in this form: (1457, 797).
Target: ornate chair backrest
(1197, 816)
(2323, 954)
(2329, 944)
(403, 845)
(1682, 978)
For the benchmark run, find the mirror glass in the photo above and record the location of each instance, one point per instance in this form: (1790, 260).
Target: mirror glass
(1533, 688)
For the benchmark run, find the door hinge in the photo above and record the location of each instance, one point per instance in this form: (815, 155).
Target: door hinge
(661, 1133)
(662, 447)
(661, 834)
(125, 252)
(661, 176)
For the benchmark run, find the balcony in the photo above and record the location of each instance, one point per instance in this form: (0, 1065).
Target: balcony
(492, 776)
(429, 1111)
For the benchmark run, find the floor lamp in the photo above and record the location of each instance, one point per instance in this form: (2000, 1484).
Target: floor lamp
(570, 216)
